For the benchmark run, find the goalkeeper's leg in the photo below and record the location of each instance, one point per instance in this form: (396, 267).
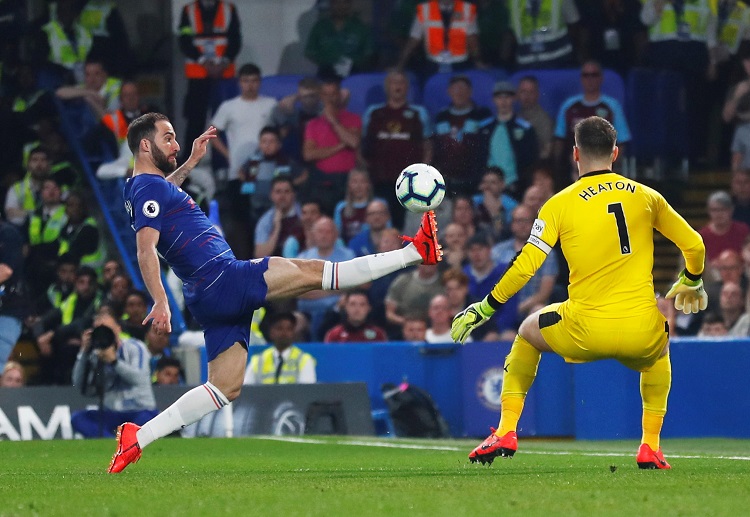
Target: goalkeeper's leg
(520, 371)
(655, 384)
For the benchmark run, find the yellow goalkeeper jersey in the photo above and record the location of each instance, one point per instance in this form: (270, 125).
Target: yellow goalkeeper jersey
(605, 224)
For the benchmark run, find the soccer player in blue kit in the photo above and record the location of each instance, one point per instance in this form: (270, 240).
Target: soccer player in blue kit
(220, 291)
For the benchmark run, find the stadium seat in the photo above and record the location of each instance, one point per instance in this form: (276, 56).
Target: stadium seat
(367, 89)
(279, 86)
(435, 92)
(557, 85)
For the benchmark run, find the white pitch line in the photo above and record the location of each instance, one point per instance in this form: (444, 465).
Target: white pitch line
(393, 445)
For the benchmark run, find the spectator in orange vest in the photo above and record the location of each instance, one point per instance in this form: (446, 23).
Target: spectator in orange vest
(210, 39)
(449, 31)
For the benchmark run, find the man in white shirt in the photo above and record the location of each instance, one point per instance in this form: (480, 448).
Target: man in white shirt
(440, 320)
(240, 119)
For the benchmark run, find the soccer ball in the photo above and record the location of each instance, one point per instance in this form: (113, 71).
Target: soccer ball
(420, 187)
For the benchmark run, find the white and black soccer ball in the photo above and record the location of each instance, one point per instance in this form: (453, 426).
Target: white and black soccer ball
(420, 187)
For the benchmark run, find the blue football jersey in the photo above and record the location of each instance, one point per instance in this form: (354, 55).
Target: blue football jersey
(188, 241)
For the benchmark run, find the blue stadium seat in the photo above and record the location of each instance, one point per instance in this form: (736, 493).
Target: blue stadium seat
(367, 89)
(646, 126)
(557, 85)
(279, 86)
(435, 92)
(670, 97)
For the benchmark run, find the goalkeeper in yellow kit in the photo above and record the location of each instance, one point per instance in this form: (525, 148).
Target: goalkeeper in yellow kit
(605, 224)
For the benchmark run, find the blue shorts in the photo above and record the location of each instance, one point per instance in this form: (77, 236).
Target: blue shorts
(225, 309)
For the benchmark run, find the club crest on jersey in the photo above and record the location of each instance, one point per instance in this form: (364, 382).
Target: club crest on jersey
(151, 208)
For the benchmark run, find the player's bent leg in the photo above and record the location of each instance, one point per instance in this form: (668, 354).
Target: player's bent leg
(655, 385)
(227, 370)
(287, 278)
(520, 371)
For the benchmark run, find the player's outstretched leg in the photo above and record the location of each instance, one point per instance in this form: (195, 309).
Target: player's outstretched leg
(494, 446)
(128, 451)
(425, 240)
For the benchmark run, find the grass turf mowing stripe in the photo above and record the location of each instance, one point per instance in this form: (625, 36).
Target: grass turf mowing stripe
(398, 445)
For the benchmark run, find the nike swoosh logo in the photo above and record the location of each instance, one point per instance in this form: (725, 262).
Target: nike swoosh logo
(427, 248)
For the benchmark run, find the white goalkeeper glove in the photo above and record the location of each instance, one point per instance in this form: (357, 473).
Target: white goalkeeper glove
(471, 317)
(689, 295)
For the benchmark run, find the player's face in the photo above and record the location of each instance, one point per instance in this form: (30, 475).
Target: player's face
(164, 147)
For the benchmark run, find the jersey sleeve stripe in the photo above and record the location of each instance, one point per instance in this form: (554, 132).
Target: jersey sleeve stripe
(539, 243)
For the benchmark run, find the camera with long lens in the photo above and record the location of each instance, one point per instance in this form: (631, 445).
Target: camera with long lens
(102, 337)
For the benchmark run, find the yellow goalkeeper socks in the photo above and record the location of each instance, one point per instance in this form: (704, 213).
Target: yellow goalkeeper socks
(655, 385)
(520, 372)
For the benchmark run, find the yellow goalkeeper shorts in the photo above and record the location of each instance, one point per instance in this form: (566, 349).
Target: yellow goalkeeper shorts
(637, 342)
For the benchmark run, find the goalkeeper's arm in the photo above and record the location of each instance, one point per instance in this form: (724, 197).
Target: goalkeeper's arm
(688, 293)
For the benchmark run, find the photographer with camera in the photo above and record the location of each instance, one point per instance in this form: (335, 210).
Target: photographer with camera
(118, 372)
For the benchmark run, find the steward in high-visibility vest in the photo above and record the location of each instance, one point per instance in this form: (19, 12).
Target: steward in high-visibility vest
(64, 52)
(731, 23)
(541, 30)
(84, 242)
(209, 35)
(46, 228)
(265, 366)
(686, 20)
(24, 196)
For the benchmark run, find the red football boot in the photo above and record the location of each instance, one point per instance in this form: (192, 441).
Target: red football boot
(128, 450)
(649, 459)
(425, 240)
(494, 446)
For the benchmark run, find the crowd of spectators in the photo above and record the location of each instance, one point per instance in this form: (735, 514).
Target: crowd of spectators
(303, 176)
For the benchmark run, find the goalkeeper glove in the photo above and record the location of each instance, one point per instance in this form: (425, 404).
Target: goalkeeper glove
(689, 295)
(471, 317)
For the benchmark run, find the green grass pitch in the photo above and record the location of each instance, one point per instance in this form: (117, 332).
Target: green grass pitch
(347, 476)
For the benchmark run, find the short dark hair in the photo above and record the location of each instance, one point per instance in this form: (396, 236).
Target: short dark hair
(87, 271)
(143, 127)
(497, 171)
(39, 149)
(166, 362)
(276, 317)
(595, 137)
(357, 292)
(140, 294)
(249, 69)
(270, 129)
(530, 78)
(282, 179)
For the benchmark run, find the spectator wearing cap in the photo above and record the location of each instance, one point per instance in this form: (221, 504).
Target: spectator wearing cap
(722, 232)
(509, 141)
(457, 137)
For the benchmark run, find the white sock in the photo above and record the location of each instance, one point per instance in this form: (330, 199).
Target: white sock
(189, 408)
(358, 271)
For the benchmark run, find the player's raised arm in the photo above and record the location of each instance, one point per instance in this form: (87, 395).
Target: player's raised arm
(148, 260)
(200, 147)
